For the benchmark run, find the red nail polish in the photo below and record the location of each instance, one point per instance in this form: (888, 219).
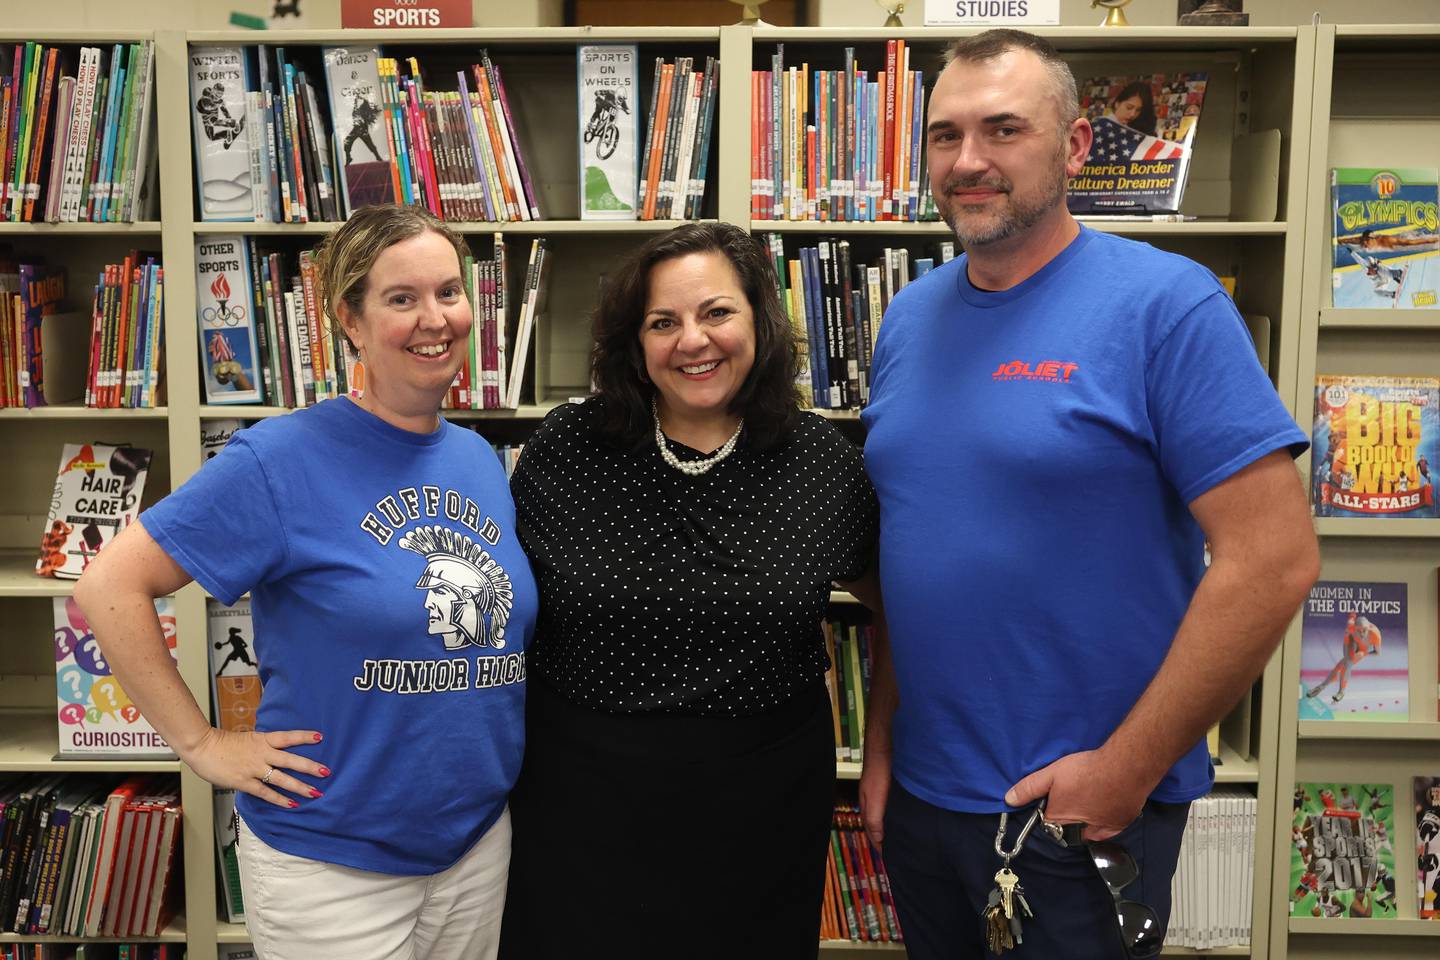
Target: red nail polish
(315, 793)
(324, 771)
(294, 804)
(317, 738)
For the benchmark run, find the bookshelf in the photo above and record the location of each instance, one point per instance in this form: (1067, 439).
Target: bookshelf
(1365, 115)
(1258, 190)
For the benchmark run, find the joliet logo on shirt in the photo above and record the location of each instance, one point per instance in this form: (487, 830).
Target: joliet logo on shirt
(1045, 371)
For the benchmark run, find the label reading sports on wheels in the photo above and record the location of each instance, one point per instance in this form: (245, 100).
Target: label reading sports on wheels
(228, 348)
(608, 91)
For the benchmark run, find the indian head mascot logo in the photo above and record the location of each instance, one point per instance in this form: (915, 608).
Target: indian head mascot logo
(468, 595)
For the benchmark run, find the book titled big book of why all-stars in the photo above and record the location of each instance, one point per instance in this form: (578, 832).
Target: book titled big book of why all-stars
(96, 717)
(1144, 141)
(1386, 240)
(1374, 446)
(1342, 853)
(1355, 652)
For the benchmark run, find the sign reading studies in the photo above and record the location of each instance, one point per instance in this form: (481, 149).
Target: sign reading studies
(1010, 13)
(399, 14)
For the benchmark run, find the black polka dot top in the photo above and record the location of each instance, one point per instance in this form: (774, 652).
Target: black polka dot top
(701, 595)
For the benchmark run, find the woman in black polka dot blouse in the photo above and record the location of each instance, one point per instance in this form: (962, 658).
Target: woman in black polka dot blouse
(685, 526)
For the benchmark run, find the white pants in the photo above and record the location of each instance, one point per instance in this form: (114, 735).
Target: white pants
(300, 909)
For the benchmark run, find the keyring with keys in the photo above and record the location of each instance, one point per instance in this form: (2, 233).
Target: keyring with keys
(1007, 906)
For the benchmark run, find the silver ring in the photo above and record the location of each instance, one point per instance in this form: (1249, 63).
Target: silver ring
(268, 774)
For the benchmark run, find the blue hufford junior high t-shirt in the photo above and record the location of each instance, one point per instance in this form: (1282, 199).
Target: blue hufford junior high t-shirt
(391, 604)
(1034, 451)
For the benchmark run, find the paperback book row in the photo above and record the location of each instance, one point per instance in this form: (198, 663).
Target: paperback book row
(1374, 444)
(837, 145)
(270, 146)
(1386, 238)
(857, 905)
(89, 855)
(77, 132)
(848, 680)
(96, 951)
(664, 179)
(1343, 861)
(285, 352)
(836, 305)
(1212, 889)
(1355, 654)
(114, 357)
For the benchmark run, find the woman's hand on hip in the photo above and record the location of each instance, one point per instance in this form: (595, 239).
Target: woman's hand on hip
(258, 763)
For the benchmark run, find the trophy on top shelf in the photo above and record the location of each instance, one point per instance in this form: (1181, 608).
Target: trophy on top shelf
(1116, 17)
(893, 9)
(1212, 13)
(750, 12)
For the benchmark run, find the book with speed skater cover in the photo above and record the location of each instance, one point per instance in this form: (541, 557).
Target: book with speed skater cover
(1427, 845)
(1374, 446)
(1354, 652)
(1342, 854)
(1386, 240)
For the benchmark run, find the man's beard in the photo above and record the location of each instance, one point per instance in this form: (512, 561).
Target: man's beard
(1021, 215)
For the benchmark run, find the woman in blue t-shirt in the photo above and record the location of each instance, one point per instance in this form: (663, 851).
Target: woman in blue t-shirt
(392, 605)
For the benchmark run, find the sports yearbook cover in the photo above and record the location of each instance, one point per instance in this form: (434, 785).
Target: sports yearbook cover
(1342, 854)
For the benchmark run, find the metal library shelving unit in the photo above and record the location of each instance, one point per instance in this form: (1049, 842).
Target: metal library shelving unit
(1367, 114)
(1257, 190)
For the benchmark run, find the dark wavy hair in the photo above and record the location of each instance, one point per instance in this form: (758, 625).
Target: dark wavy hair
(768, 399)
(1145, 122)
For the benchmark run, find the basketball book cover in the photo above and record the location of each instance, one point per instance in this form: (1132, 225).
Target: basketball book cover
(1342, 854)
(1386, 239)
(234, 672)
(1355, 652)
(1374, 445)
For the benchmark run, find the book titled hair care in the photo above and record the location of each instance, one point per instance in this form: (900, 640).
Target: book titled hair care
(97, 494)
(96, 717)
(608, 88)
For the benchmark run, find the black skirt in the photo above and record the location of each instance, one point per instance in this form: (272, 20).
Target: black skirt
(667, 835)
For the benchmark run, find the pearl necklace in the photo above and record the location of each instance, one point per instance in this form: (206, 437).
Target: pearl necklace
(692, 468)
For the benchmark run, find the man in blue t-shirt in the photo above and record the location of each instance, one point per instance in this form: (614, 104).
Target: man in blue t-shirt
(1061, 422)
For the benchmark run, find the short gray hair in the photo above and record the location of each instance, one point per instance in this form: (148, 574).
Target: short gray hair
(993, 43)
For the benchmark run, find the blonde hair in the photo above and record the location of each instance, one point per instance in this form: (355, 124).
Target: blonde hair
(343, 260)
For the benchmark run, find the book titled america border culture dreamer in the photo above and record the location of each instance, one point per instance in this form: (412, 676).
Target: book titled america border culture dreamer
(1374, 445)
(1355, 652)
(96, 717)
(1144, 140)
(1342, 853)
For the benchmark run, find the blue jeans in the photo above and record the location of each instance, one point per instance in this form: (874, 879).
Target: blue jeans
(942, 867)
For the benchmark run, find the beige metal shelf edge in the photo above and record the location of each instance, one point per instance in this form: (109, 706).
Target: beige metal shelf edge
(174, 932)
(28, 741)
(41, 229)
(1065, 38)
(1333, 319)
(1368, 928)
(517, 227)
(548, 36)
(72, 412)
(18, 577)
(1361, 730)
(1372, 527)
(1129, 228)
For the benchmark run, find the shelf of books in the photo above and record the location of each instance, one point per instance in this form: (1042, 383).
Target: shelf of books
(1359, 727)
